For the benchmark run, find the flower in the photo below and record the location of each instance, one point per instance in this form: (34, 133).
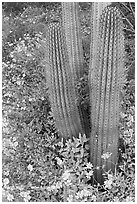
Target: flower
(15, 144)
(6, 173)
(108, 184)
(86, 192)
(89, 174)
(116, 199)
(58, 185)
(14, 139)
(68, 182)
(24, 75)
(79, 195)
(83, 193)
(10, 197)
(6, 181)
(27, 199)
(89, 165)
(30, 167)
(59, 161)
(129, 199)
(94, 198)
(106, 155)
(70, 198)
(25, 195)
(110, 177)
(66, 175)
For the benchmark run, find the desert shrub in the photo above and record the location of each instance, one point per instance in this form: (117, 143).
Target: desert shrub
(37, 164)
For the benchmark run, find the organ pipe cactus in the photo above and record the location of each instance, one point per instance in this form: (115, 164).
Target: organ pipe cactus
(64, 60)
(106, 78)
(61, 83)
(71, 25)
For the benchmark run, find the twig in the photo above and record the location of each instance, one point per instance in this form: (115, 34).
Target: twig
(128, 30)
(125, 6)
(132, 9)
(128, 22)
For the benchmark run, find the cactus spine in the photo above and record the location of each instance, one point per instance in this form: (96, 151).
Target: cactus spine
(106, 78)
(61, 83)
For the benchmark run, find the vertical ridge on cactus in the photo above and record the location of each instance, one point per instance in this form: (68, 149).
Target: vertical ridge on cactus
(71, 27)
(96, 11)
(107, 76)
(61, 83)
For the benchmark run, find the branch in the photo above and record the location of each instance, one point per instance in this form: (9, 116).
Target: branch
(132, 9)
(128, 22)
(125, 6)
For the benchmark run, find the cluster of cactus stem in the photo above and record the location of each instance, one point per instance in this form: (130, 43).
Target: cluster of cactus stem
(64, 59)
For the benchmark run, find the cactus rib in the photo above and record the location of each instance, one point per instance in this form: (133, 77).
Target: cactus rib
(71, 27)
(96, 11)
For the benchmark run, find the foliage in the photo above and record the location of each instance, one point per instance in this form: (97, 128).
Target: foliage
(15, 8)
(128, 15)
(37, 164)
(67, 173)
